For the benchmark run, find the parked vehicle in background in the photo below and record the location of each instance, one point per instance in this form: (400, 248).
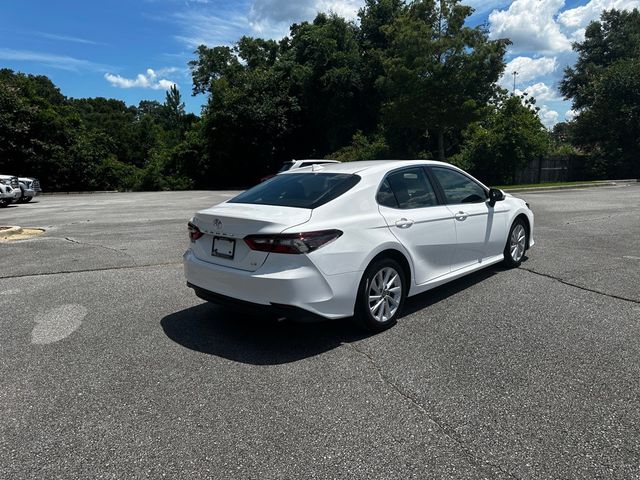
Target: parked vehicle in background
(6, 195)
(30, 188)
(294, 164)
(353, 239)
(12, 187)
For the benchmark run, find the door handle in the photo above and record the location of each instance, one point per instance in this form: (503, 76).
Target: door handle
(404, 223)
(461, 216)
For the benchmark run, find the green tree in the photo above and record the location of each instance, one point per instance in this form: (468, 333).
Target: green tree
(327, 83)
(95, 143)
(116, 120)
(362, 147)
(375, 18)
(213, 64)
(174, 108)
(37, 127)
(439, 75)
(604, 86)
(269, 102)
(511, 135)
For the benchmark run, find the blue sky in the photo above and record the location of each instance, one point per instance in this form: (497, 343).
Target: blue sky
(135, 49)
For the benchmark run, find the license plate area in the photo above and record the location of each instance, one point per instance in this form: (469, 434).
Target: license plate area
(223, 247)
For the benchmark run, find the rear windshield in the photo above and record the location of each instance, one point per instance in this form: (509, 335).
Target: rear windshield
(302, 190)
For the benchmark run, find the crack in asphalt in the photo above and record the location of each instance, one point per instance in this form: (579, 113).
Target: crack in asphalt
(103, 269)
(78, 242)
(445, 429)
(586, 289)
(595, 219)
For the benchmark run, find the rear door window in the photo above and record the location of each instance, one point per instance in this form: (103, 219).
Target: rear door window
(407, 189)
(302, 190)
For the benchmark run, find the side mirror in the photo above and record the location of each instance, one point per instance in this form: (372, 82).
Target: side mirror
(495, 195)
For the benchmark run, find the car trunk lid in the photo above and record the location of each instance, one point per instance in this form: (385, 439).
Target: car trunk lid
(224, 227)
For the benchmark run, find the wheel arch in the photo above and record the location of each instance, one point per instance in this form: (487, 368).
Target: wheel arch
(527, 226)
(399, 257)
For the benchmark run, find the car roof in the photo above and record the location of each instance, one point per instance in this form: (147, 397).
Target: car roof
(364, 166)
(7, 176)
(312, 160)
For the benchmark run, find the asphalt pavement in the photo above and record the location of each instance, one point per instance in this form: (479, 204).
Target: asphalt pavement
(110, 367)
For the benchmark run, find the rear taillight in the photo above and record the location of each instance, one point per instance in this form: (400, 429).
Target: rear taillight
(295, 243)
(194, 232)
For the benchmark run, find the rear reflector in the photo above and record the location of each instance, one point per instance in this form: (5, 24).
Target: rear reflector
(293, 243)
(194, 232)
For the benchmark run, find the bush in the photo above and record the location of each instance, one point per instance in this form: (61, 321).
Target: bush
(363, 148)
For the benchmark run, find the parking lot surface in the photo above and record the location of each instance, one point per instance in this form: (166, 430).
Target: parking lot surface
(111, 368)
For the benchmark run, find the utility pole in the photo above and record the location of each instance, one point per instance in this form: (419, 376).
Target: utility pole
(515, 74)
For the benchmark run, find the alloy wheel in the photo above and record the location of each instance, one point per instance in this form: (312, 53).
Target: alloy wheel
(385, 294)
(517, 242)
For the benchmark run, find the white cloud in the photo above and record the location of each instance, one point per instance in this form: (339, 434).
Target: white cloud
(226, 23)
(63, 62)
(542, 92)
(67, 38)
(575, 20)
(345, 8)
(530, 25)
(150, 79)
(200, 27)
(528, 69)
(273, 17)
(481, 7)
(539, 25)
(570, 115)
(579, 17)
(547, 116)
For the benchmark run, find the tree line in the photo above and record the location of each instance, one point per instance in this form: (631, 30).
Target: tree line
(409, 79)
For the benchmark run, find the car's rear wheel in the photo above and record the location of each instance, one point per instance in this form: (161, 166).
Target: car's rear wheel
(381, 295)
(27, 199)
(4, 203)
(516, 244)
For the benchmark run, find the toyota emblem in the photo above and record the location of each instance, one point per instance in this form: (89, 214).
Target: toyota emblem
(217, 223)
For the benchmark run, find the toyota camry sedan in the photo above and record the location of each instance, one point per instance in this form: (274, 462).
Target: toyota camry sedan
(352, 239)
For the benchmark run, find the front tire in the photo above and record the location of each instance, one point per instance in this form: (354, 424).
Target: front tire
(516, 244)
(381, 295)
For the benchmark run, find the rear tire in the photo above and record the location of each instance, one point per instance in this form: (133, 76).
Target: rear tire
(27, 199)
(381, 295)
(516, 244)
(4, 203)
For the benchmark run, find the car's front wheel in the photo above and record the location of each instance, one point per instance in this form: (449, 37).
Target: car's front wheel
(381, 295)
(516, 244)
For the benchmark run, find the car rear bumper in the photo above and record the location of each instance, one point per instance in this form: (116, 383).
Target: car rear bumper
(301, 290)
(288, 311)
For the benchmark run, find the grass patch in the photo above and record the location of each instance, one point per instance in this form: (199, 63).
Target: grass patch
(547, 184)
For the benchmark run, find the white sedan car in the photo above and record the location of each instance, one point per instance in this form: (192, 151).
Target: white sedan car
(352, 239)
